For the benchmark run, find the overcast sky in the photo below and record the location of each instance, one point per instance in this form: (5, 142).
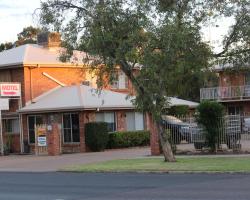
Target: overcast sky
(14, 15)
(17, 14)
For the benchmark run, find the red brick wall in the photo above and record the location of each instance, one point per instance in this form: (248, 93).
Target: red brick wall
(154, 138)
(231, 79)
(53, 137)
(15, 142)
(36, 83)
(121, 120)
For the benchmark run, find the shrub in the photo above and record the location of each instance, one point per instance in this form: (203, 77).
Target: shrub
(96, 135)
(181, 110)
(128, 139)
(209, 115)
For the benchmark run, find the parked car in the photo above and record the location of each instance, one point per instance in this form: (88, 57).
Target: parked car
(198, 137)
(179, 129)
(246, 125)
(230, 134)
(233, 129)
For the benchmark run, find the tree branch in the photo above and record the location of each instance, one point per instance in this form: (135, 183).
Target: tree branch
(230, 39)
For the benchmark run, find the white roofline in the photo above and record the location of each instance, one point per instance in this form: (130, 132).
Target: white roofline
(79, 109)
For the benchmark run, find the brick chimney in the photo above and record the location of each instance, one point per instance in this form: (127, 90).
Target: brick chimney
(49, 40)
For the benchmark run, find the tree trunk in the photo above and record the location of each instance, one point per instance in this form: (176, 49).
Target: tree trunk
(165, 144)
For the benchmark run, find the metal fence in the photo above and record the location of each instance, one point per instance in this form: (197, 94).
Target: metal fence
(232, 133)
(220, 93)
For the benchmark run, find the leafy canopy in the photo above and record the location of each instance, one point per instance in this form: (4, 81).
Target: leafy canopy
(163, 38)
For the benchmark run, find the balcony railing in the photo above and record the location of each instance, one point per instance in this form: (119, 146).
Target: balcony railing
(225, 93)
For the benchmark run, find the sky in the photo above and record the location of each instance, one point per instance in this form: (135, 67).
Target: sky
(17, 14)
(14, 16)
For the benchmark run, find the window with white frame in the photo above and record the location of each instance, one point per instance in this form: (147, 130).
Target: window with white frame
(109, 118)
(120, 81)
(71, 129)
(134, 121)
(11, 126)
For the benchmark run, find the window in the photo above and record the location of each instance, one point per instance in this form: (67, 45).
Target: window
(247, 78)
(134, 121)
(109, 118)
(32, 122)
(234, 110)
(120, 81)
(12, 126)
(71, 130)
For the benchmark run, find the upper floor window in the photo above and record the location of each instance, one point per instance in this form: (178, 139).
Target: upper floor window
(120, 81)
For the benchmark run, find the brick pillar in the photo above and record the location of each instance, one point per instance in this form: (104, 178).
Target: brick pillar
(54, 140)
(154, 138)
(82, 134)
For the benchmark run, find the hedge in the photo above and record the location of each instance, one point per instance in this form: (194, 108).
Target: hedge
(180, 110)
(125, 139)
(96, 135)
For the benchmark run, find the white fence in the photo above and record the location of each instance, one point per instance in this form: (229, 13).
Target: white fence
(232, 133)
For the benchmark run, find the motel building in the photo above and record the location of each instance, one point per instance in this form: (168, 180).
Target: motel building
(45, 103)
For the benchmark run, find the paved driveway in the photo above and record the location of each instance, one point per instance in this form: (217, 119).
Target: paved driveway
(31, 163)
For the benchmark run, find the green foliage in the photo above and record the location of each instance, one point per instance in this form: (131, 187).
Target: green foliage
(210, 116)
(6, 46)
(161, 38)
(27, 36)
(96, 135)
(181, 110)
(128, 139)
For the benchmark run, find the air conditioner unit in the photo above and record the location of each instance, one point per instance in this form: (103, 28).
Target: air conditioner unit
(86, 83)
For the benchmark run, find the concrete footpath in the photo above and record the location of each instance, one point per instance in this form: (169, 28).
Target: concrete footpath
(32, 163)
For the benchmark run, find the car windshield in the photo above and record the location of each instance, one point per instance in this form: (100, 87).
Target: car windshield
(171, 118)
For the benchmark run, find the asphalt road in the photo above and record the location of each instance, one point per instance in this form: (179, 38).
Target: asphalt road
(74, 186)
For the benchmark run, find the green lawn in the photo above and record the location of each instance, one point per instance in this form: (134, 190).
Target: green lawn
(188, 164)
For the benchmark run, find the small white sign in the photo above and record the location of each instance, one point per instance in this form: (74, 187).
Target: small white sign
(4, 104)
(10, 89)
(42, 141)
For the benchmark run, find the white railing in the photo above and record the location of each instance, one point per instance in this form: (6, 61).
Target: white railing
(225, 93)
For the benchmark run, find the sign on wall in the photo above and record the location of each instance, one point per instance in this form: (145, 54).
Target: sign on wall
(41, 141)
(4, 104)
(41, 136)
(10, 89)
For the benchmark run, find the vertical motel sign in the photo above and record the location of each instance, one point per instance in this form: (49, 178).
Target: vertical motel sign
(8, 90)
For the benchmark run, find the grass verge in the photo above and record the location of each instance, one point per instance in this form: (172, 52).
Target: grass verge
(188, 164)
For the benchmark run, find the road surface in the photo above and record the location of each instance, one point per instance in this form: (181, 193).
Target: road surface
(76, 186)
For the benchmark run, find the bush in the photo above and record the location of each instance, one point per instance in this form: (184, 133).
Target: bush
(128, 139)
(209, 115)
(181, 110)
(96, 135)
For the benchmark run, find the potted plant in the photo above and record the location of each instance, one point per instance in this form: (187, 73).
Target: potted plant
(6, 150)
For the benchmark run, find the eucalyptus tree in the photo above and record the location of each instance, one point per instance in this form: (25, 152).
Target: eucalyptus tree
(162, 37)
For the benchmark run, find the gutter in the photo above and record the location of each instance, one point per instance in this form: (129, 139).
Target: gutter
(56, 110)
